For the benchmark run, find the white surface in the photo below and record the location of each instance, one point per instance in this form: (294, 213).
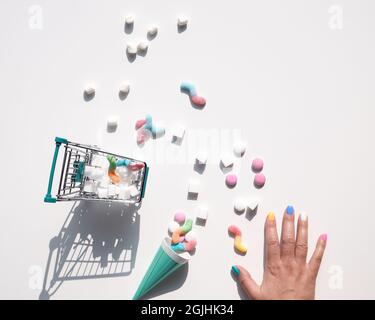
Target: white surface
(300, 93)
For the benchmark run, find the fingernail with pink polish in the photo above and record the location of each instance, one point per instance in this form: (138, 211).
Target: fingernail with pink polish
(323, 237)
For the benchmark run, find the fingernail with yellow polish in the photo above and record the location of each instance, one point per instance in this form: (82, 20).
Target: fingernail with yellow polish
(271, 216)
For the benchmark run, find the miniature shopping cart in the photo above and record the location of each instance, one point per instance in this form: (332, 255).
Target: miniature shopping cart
(74, 179)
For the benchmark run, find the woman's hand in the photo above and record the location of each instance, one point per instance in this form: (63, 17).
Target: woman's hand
(287, 275)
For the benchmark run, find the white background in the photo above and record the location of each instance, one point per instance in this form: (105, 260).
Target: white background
(299, 91)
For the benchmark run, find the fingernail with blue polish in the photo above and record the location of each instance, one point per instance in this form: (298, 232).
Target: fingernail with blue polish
(290, 210)
(235, 271)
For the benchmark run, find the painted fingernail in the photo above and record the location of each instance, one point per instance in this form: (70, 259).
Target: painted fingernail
(289, 210)
(303, 216)
(235, 271)
(271, 216)
(323, 237)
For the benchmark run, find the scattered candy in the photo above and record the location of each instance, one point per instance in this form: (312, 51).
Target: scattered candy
(182, 22)
(231, 180)
(152, 31)
(252, 205)
(259, 180)
(239, 205)
(131, 48)
(142, 47)
(173, 226)
(112, 169)
(192, 92)
(129, 20)
(201, 157)
(124, 89)
(257, 165)
(239, 148)
(179, 217)
(202, 213)
(135, 166)
(140, 123)
(112, 123)
(227, 160)
(238, 245)
(194, 187)
(178, 132)
(89, 91)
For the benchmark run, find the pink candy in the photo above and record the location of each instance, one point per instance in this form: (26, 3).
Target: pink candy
(257, 165)
(234, 230)
(259, 180)
(198, 101)
(231, 180)
(140, 123)
(190, 246)
(179, 217)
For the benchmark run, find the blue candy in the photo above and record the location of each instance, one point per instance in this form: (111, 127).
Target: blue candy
(189, 88)
(123, 162)
(178, 247)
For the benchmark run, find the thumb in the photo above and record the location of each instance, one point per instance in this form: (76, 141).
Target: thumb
(247, 283)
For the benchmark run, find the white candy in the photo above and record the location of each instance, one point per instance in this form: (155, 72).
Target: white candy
(112, 190)
(239, 148)
(112, 123)
(134, 192)
(98, 174)
(227, 160)
(124, 192)
(240, 205)
(124, 88)
(194, 187)
(152, 31)
(178, 132)
(202, 157)
(90, 187)
(142, 46)
(202, 213)
(129, 20)
(89, 90)
(173, 225)
(131, 48)
(102, 192)
(191, 235)
(252, 205)
(182, 21)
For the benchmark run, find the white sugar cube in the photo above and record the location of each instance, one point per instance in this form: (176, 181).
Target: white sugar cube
(202, 213)
(178, 132)
(252, 205)
(152, 31)
(142, 46)
(90, 186)
(112, 190)
(124, 192)
(129, 20)
(124, 88)
(112, 123)
(131, 48)
(102, 193)
(133, 191)
(90, 90)
(201, 157)
(182, 21)
(194, 187)
(227, 160)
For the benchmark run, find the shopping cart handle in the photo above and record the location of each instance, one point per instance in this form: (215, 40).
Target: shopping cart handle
(48, 197)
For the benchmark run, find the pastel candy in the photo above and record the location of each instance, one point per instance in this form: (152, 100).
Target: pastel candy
(173, 226)
(259, 180)
(178, 246)
(140, 123)
(234, 230)
(179, 217)
(182, 230)
(191, 235)
(157, 131)
(123, 162)
(231, 180)
(136, 166)
(198, 101)
(148, 124)
(112, 162)
(188, 88)
(257, 165)
(239, 205)
(239, 148)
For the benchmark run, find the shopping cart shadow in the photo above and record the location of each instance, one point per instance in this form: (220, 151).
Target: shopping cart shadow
(97, 240)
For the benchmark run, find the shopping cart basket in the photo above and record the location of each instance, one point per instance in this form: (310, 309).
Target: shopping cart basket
(78, 158)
